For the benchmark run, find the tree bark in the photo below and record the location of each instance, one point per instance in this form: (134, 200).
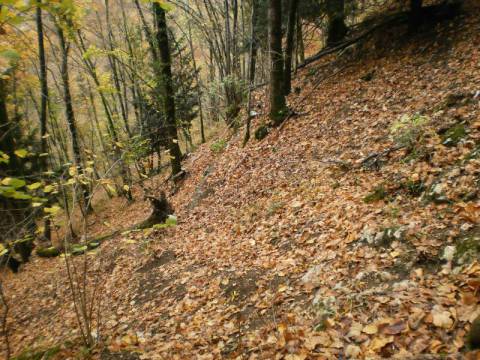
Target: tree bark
(197, 79)
(415, 14)
(251, 68)
(70, 116)
(300, 45)
(167, 93)
(336, 21)
(277, 97)
(292, 19)
(43, 106)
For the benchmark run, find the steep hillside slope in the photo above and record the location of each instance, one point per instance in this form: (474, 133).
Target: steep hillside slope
(304, 245)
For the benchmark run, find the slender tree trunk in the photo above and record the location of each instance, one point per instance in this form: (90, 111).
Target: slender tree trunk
(415, 14)
(43, 87)
(299, 43)
(167, 93)
(251, 68)
(197, 79)
(70, 116)
(292, 19)
(278, 108)
(47, 234)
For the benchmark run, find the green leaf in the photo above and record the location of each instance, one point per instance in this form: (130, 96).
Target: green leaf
(48, 189)
(4, 158)
(34, 186)
(11, 55)
(14, 182)
(3, 250)
(7, 191)
(163, 4)
(20, 195)
(21, 153)
(52, 210)
(171, 220)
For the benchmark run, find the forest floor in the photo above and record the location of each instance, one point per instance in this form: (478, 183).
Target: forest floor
(294, 247)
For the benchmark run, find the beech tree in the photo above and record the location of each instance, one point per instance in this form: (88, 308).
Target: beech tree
(166, 88)
(278, 107)
(337, 29)
(292, 22)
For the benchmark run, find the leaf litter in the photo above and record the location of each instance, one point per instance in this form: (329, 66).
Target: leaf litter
(282, 258)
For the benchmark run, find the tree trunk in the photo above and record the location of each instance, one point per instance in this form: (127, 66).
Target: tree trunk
(300, 45)
(336, 21)
(70, 116)
(292, 19)
(251, 68)
(197, 79)
(165, 75)
(278, 106)
(415, 14)
(43, 106)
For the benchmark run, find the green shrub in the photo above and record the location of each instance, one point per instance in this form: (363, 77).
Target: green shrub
(453, 135)
(409, 130)
(218, 146)
(379, 193)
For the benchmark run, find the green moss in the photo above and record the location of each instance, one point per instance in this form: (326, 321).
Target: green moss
(415, 188)
(78, 249)
(261, 132)
(454, 135)
(48, 252)
(278, 117)
(467, 249)
(218, 146)
(45, 354)
(93, 244)
(379, 193)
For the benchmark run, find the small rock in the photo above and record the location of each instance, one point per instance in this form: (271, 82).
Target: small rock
(312, 276)
(449, 253)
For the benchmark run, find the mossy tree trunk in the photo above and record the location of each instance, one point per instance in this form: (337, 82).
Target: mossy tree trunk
(278, 107)
(166, 87)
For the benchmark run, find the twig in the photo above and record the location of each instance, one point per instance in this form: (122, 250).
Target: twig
(378, 155)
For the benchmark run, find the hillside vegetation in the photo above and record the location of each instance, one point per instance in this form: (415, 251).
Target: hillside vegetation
(350, 231)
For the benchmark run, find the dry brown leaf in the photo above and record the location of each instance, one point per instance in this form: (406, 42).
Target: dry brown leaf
(442, 318)
(379, 342)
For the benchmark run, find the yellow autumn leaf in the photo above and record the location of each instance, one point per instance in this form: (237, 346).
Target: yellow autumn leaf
(370, 329)
(72, 170)
(34, 186)
(21, 153)
(380, 342)
(48, 189)
(52, 210)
